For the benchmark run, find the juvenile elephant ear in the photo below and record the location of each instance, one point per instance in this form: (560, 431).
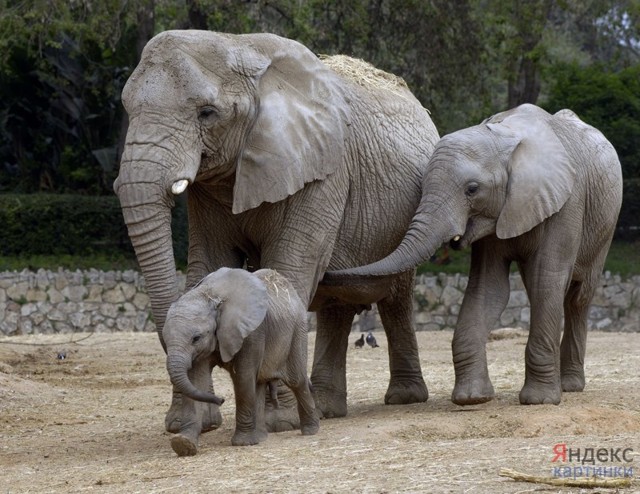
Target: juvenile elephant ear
(541, 174)
(243, 303)
(299, 132)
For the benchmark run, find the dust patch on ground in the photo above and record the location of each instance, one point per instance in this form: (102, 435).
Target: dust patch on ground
(93, 421)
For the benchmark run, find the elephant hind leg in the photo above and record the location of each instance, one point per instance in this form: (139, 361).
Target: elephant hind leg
(309, 421)
(406, 383)
(574, 339)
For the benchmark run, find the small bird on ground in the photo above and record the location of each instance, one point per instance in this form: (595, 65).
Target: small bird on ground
(371, 340)
(360, 342)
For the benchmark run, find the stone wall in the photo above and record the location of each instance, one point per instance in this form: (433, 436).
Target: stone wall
(68, 301)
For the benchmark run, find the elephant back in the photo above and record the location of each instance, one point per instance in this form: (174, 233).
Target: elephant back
(369, 77)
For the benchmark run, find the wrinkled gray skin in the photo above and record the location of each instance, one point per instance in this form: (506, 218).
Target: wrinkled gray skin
(289, 166)
(540, 190)
(253, 325)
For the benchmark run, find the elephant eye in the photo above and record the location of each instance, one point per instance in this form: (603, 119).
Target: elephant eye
(472, 188)
(206, 112)
(196, 339)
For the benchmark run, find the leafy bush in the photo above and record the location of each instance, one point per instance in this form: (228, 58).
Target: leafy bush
(629, 220)
(61, 224)
(48, 224)
(610, 101)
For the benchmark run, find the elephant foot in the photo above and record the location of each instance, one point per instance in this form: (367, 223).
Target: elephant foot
(330, 403)
(282, 419)
(183, 446)
(211, 416)
(540, 394)
(472, 392)
(311, 428)
(573, 382)
(404, 392)
(245, 438)
(285, 416)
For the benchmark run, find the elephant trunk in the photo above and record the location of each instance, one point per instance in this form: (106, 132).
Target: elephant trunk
(430, 227)
(147, 213)
(177, 367)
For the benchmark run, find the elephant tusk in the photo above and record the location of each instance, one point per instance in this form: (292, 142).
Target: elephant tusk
(179, 186)
(456, 238)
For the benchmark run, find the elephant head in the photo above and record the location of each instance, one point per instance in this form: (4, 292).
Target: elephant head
(219, 313)
(502, 177)
(257, 111)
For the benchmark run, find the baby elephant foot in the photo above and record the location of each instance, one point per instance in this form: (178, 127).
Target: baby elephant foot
(573, 381)
(472, 392)
(183, 446)
(540, 394)
(245, 438)
(406, 391)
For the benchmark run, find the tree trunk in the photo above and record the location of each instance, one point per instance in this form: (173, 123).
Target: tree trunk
(146, 17)
(197, 18)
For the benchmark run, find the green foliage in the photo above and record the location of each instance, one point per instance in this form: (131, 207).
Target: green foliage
(39, 224)
(629, 220)
(623, 259)
(448, 261)
(608, 100)
(62, 68)
(104, 262)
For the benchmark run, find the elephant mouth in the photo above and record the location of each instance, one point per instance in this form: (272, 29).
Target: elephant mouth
(462, 240)
(456, 242)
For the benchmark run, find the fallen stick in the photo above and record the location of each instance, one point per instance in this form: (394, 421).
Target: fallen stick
(588, 482)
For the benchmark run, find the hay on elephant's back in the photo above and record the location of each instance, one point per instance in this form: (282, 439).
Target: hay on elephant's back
(364, 74)
(277, 284)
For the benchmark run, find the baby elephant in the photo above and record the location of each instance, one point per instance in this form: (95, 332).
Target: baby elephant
(254, 325)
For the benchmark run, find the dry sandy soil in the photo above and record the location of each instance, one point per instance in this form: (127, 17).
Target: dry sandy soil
(94, 422)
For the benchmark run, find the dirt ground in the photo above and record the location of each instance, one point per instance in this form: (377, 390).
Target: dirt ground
(94, 422)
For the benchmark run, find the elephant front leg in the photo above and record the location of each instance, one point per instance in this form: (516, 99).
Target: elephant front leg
(211, 416)
(406, 383)
(185, 442)
(246, 393)
(485, 298)
(328, 374)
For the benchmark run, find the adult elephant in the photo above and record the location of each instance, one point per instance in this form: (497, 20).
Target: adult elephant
(288, 165)
(524, 186)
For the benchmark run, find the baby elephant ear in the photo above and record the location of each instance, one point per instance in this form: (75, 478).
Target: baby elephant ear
(541, 174)
(243, 307)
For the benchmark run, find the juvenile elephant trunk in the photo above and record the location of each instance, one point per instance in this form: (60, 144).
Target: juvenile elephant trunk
(177, 368)
(428, 230)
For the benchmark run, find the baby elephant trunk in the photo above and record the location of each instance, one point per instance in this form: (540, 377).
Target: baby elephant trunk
(177, 369)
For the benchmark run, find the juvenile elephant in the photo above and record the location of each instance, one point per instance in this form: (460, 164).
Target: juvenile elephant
(253, 325)
(524, 186)
(288, 165)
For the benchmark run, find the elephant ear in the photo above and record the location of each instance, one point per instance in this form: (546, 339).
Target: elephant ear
(242, 306)
(541, 174)
(299, 132)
